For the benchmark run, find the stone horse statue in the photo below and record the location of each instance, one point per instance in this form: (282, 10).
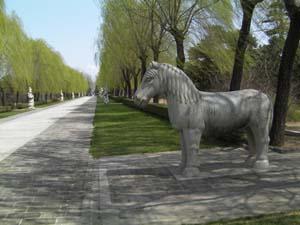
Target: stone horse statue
(194, 113)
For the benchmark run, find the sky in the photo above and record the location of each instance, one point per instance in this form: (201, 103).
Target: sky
(69, 26)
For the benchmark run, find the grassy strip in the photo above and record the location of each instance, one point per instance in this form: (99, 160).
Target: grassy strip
(43, 105)
(120, 130)
(290, 218)
(12, 113)
(18, 111)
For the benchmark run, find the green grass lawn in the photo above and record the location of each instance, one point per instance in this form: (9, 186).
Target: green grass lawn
(12, 113)
(18, 111)
(120, 130)
(48, 104)
(291, 218)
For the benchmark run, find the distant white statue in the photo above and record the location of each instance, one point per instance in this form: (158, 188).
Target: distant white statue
(101, 92)
(61, 96)
(30, 99)
(73, 95)
(105, 96)
(194, 113)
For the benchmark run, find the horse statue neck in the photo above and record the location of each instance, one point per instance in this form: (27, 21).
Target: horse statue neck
(178, 86)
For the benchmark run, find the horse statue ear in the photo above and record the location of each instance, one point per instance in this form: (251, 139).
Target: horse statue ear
(154, 65)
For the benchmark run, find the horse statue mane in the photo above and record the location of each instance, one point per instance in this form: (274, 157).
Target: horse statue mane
(177, 83)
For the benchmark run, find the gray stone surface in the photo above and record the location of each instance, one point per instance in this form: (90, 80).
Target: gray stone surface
(53, 179)
(147, 189)
(17, 130)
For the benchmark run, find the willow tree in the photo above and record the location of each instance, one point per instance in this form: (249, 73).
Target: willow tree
(158, 39)
(48, 69)
(285, 72)
(120, 49)
(17, 52)
(26, 62)
(210, 61)
(140, 29)
(178, 16)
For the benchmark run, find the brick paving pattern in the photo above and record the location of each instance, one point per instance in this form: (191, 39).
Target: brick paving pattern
(147, 189)
(53, 179)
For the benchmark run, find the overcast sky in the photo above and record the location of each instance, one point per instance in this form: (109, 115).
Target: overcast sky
(69, 26)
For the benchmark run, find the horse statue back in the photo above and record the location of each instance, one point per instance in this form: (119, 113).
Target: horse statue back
(194, 113)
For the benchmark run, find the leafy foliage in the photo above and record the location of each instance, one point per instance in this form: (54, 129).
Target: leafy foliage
(25, 63)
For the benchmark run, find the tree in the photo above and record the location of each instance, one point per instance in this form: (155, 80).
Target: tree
(285, 72)
(140, 27)
(177, 17)
(121, 47)
(211, 59)
(26, 62)
(248, 7)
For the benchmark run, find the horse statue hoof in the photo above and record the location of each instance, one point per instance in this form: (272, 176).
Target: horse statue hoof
(261, 164)
(191, 172)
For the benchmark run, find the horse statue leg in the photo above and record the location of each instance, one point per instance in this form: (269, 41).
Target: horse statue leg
(183, 151)
(191, 140)
(251, 148)
(260, 133)
(262, 145)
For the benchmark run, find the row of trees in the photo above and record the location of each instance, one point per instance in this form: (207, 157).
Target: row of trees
(222, 40)
(25, 62)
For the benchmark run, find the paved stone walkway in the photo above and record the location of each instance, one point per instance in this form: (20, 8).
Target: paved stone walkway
(17, 130)
(146, 189)
(53, 179)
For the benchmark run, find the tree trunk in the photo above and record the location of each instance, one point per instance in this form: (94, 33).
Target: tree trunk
(118, 91)
(237, 72)
(143, 66)
(135, 83)
(155, 54)
(284, 81)
(37, 96)
(180, 60)
(129, 93)
(17, 97)
(3, 97)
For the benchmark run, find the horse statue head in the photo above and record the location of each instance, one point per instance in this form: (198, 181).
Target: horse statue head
(151, 85)
(169, 81)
